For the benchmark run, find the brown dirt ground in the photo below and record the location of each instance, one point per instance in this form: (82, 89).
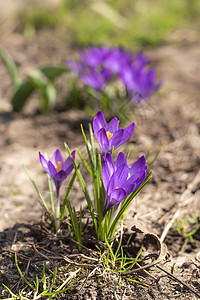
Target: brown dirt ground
(170, 121)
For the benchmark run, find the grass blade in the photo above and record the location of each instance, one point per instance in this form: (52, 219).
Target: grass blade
(84, 162)
(67, 195)
(37, 190)
(20, 273)
(84, 188)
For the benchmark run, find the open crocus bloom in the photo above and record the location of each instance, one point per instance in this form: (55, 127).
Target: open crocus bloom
(108, 135)
(120, 180)
(57, 168)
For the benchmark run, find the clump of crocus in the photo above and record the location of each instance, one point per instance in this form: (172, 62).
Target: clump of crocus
(120, 180)
(58, 169)
(99, 66)
(115, 182)
(109, 136)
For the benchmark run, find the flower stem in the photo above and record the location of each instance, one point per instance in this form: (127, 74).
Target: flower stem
(57, 211)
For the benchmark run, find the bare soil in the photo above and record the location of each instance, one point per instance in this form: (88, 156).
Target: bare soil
(170, 121)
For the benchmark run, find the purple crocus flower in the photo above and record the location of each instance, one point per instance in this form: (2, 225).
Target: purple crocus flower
(96, 79)
(115, 60)
(120, 180)
(57, 168)
(139, 82)
(140, 61)
(108, 135)
(93, 56)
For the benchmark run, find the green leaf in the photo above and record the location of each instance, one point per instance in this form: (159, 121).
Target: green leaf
(45, 87)
(88, 146)
(52, 71)
(11, 66)
(12, 294)
(20, 273)
(52, 194)
(21, 95)
(67, 195)
(51, 94)
(84, 162)
(84, 188)
(152, 162)
(38, 79)
(38, 191)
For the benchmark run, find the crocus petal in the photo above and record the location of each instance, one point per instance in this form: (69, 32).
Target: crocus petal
(137, 165)
(44, 163)
(52, 170)
(138, 178)
(103, 141)
(115, 198)
(118, 178)
(107, 169)
(99, 122)
(113, 125)
(60, 176)
(121, 136)
(121, 159)
(130, 188)
(68, 163)
(116, 139)
(128, 132)
(57, 156)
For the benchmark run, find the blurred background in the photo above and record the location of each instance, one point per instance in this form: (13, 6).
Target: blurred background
(138, 23)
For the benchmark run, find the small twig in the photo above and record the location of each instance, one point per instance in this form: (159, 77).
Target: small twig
(40, 254)
(75, 263)
(89, 258)
(179, 280)
(14, 240)
(124, 294)
(169, 225)
(63, 257)
(79, 244)
(147, 273)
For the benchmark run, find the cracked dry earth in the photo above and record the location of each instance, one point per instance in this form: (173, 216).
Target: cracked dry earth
(170, 121)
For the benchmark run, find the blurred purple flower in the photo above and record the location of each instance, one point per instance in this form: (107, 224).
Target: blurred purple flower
(93, 56)
(120, 180)
(96, 79)
(57, 168)
(140, 61)
(75, 66)
(108, 135)
(99, 65)
(140, 84)
(115, 60)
